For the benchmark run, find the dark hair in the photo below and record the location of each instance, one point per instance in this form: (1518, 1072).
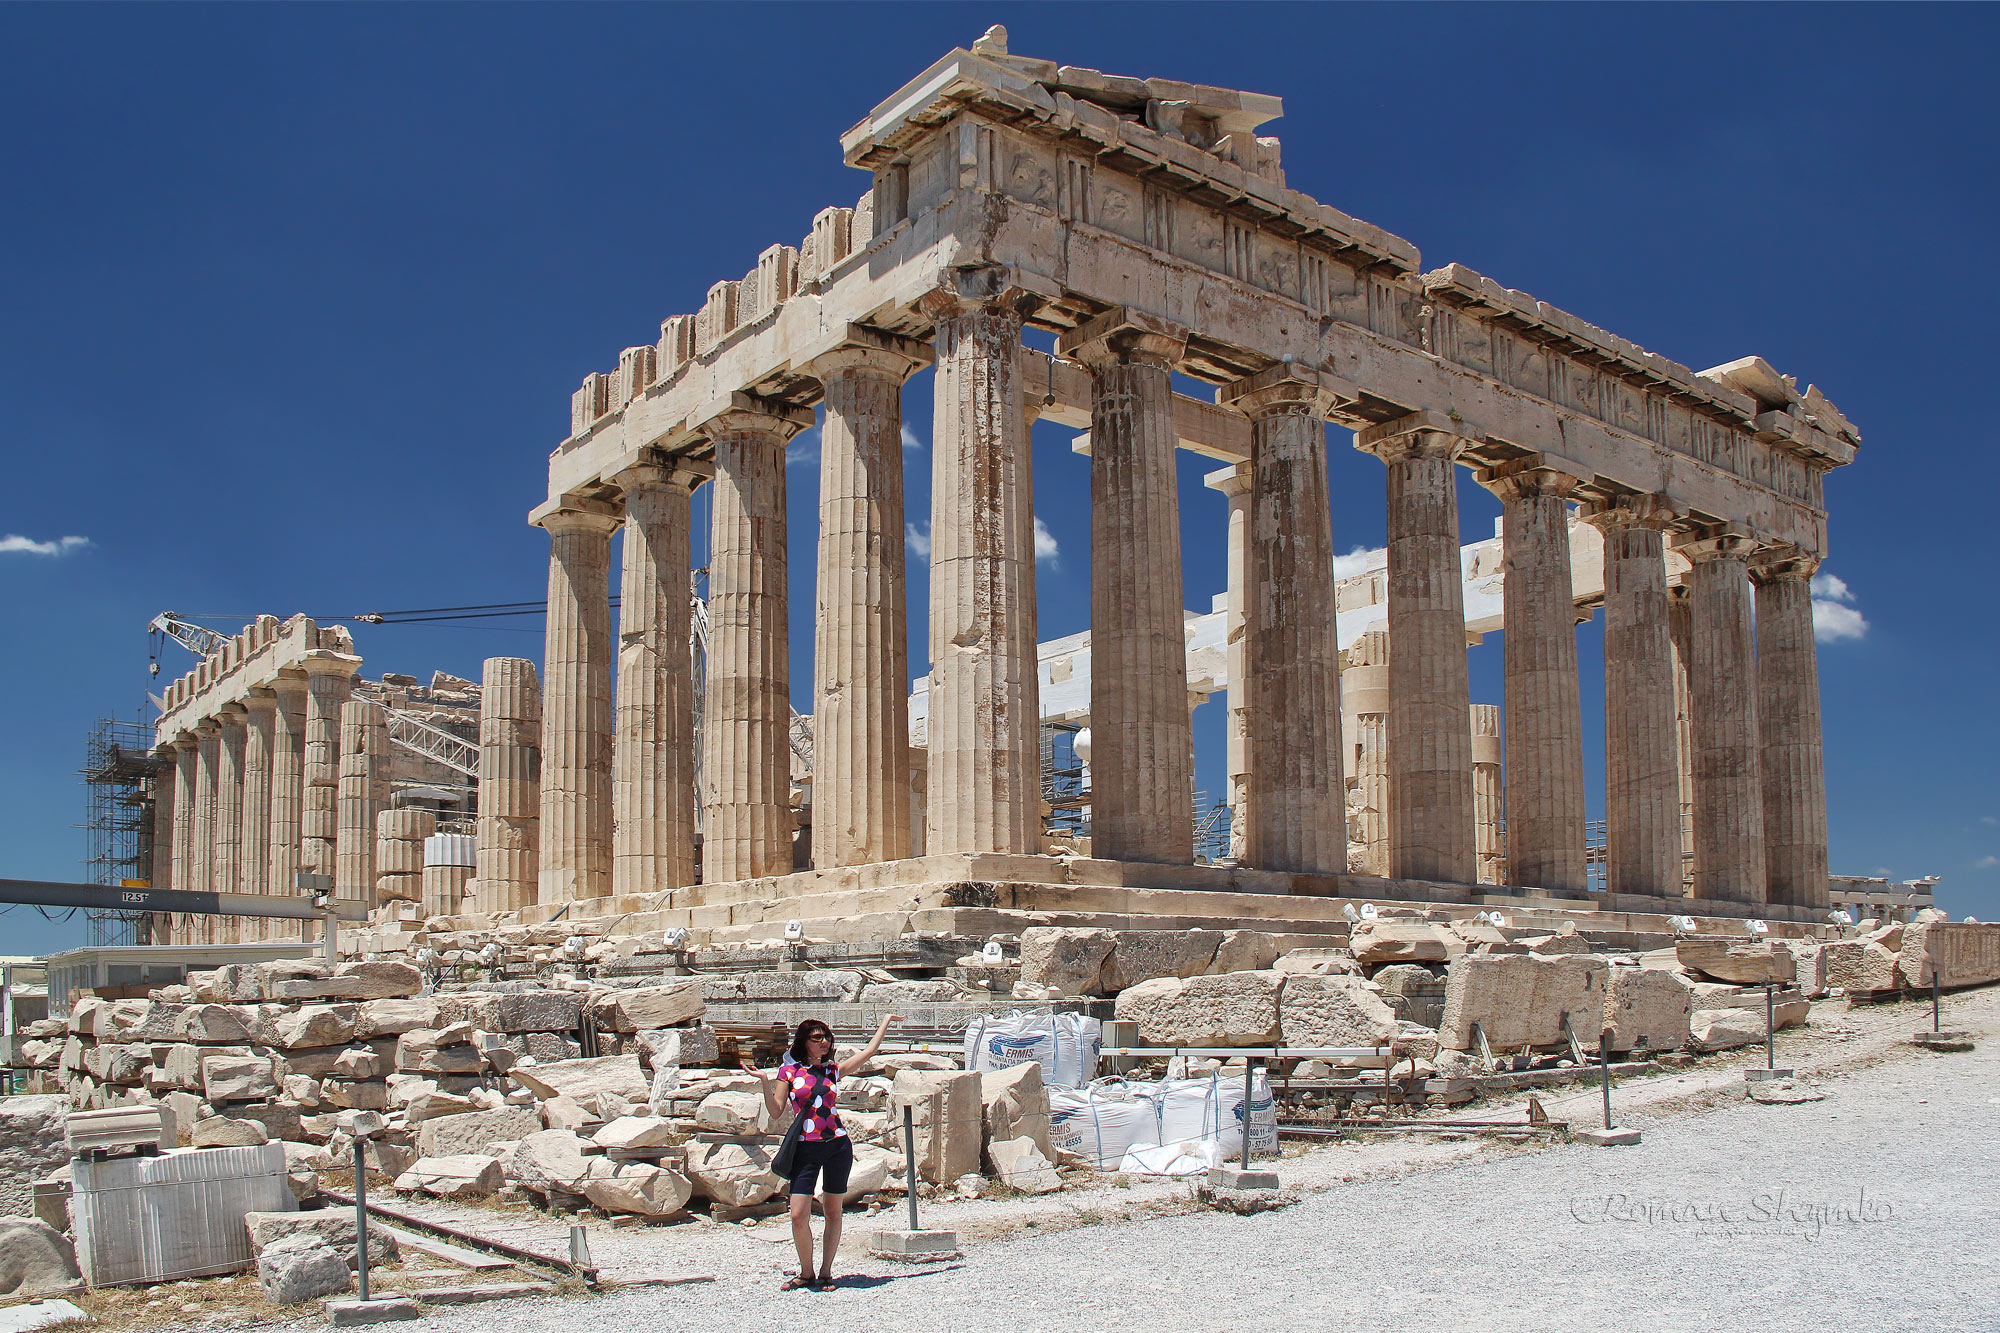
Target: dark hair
(806, 1030)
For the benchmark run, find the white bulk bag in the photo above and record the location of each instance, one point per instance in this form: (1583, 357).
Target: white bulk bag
(1065, 1045)
(1211, 1109)
(1101, 1123)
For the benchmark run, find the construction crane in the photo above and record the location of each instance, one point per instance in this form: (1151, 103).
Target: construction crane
(197, 639)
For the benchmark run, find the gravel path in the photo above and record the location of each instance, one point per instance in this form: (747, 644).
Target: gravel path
(1877, 1208)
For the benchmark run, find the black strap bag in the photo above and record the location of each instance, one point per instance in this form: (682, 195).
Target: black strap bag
(785, 1160)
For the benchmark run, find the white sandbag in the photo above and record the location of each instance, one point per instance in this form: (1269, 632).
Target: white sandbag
(1101, 1123)
(1065, 1045)
(1211, 1110)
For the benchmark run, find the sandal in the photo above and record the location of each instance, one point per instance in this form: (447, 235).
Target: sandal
(825, 1283)
(803, 1282)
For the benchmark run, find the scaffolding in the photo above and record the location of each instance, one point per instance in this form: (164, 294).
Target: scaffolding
(118, 777)
(1062, 781)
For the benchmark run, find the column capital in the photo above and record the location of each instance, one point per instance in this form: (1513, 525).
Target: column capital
(682, 473)
(970, 291)
(1771, 564)
(1286, 389)
(321, 663)
(1700, 548)
(290, 682)
(260, 699)
(1630, 511)
(747, 414)
(1527, 478)
(1123, 336)
(208, 727)
(867, 351)
(1425, 434)
(581, 516)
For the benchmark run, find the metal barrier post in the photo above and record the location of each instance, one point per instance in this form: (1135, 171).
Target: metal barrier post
(1934, 998)
(1604, 1064)
(361, 1214)
(1247, 1067)
(1770, 1025)
(910, 1162)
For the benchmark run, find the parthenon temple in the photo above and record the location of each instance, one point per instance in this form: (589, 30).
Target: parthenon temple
(1147, 226)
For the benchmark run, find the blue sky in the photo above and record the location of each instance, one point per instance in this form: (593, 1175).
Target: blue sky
(293, 298)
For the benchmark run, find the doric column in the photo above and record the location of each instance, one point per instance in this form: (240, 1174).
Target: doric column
(1793, 767)
(399, 857)
(1680, 633)
(1430, 713)
(288, 788)
(1234, 483)
(652, 747)
(510, 784)
(364, 795)
(1298, 798)
(166, 778)
(1544, 734)
(1142, 744)
(1642, 805)
(1364, 724)
(747, 715)
(226, 856)
(861, 666)
(985, 791)
(576, 711)
(203, 879)
(1488, 795)
(329, 683)
(1722, 676)
(187, 831)
(259, 735)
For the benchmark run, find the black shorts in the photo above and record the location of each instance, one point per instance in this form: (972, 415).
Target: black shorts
(834, 1156)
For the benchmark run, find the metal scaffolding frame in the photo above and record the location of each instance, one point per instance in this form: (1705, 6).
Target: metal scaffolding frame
(118, 779)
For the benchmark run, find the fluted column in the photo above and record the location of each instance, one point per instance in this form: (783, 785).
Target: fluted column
(1642, 806)
(1364, 724)
(1488, 795)
(747, 716)
(1298, 798)
(652, 746)
(1722, 677)
(1234, 483)
(203, 879)
(329, 683)
(1794, 770)
(1142, 743)
(576, 709)
(985, 791)
(166, 779)
(1544, 734)
(259, 736)
(510, 784)
(1430, 738)
(1680, 633)
(187, 832)
(861, 667)
(363, 796)
(288, 790)
(226, 856)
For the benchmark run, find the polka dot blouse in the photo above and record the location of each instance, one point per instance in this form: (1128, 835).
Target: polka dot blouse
(812, 1090)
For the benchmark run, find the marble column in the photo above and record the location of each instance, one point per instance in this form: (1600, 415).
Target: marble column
(288, 790)
(1793, 766)
(1298, 798)
(363, 796)
(1142, 741)
(1642, 804)
(1489, 802)
(1544, 733)
(329, 684)
(203, 880)
(861, 667)
(166, 778)
(510, 784)
(187, 832)
(1364, 703)
(576, 712)
(1680, 634)
(226, 856)
(747, 714)
(1234, 483)
(1430, 738)
(259, 737)
(985, 791)
(1722, 677)
(652, 746)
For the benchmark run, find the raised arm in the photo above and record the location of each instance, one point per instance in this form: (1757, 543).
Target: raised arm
(860, 1058)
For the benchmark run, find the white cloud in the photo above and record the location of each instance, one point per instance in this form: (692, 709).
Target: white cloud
(1358, 561)
(1835, 617)
(1988, 819)
(910, 440)
(918, 542)
(1045, 544)
(1986, 863)
(13, 544)
(803, 451)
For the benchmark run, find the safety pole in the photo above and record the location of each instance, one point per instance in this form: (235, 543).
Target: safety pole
(1770, 1025)
(1934, 998)
(361, 1214)
(910, 1161)
(1604, 1064)
(1246, 1112)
